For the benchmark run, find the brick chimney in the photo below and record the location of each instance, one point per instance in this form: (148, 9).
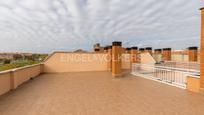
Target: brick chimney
(193, 54)
(105, 49)
(158, 55)
(166, 53)
(109, 58)
(148, 49)
(134, 51)
(158, 51)
(116, 59)
(202, 50)
(128, 50)
(142, 50)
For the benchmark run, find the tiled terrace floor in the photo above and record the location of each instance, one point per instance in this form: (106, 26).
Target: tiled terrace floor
(96, 93)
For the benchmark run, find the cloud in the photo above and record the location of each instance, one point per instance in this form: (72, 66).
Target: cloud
(49, 25)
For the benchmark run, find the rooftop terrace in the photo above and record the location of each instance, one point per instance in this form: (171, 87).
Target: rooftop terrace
(97, 93)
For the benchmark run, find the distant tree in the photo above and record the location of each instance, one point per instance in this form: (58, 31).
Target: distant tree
(17, 56)
(43, 57)
(29, 57)
(7, 61)
(36, 57)
(39, 57)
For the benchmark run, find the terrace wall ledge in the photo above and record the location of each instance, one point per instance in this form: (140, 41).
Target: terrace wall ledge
(25, 67)
(6, 71)
(78, 52)
(20, 68)
(11, 79)
(72, 53)
(194, 76)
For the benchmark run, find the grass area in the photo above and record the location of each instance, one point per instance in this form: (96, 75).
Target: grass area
(17, 64)
(21, 61)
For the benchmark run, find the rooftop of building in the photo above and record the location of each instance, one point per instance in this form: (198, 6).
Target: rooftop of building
(97, 93)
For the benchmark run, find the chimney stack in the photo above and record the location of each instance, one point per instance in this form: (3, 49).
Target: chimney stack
(106, 49)
(202, 50)
(148, 49)
(109, 58)
(134, 51)
(158, 55)
(117, 61)
(193, 54)
(166, 53)
(128, 50)
(142, 50)
(157, 51)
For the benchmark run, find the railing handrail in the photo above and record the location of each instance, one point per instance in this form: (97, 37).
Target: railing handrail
(166, 67)
(169, 75)
(183, 62)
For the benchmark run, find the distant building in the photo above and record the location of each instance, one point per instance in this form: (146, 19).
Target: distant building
(98, 48)
(80, 51)
(6, 56)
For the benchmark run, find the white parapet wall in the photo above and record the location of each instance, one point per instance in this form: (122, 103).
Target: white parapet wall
(11, 79)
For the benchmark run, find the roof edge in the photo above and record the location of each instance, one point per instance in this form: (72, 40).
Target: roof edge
(55, 52)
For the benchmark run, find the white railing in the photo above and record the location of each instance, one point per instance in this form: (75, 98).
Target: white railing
(183, 65)
(169, 75)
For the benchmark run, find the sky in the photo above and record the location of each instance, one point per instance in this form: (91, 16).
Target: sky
(44, 26)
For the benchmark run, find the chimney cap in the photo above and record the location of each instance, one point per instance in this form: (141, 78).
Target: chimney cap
(157, 49)
(148, 48)
(166, 48)
(202, 8)
(134, 48)
(117, 43)
(141, 49)
(128, 48)
(192, 48)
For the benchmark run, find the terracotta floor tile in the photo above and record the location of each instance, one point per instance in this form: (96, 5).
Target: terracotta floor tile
(97, 93)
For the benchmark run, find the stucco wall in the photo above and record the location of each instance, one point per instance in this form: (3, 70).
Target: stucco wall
(146, 58)
(5, 85)
(126, 62)
(24, 74)
(179, 57)
(76, 62)
(11, 79)
(193, 83)
(174, 57)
